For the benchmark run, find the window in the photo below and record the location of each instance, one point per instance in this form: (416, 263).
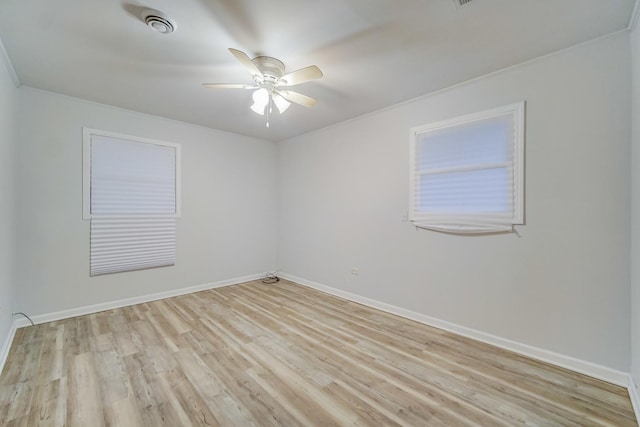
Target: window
(132, 197)
(467, 173)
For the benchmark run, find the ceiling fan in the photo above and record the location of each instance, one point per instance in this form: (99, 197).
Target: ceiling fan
(271, 82)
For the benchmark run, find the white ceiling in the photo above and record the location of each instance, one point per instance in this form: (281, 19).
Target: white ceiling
(374, 53)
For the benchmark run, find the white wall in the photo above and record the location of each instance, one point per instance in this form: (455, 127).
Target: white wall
(8, 140)
(635, 207)
(562, 286)
(227, 229)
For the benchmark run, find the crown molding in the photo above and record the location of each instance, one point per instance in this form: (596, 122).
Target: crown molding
(9, 65)
(635, 16)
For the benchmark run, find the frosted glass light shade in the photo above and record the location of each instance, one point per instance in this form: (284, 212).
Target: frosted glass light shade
(260, 100)
(281, 103)
(258, 108)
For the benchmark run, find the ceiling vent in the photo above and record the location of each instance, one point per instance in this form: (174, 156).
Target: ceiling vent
(460, 3)
(159, 21)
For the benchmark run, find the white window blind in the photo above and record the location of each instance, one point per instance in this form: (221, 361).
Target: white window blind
(467, 173)
(131, 243)
(132, 199)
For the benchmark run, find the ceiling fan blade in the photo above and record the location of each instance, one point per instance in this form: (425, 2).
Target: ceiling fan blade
(298, 98)
(228, 86)
(300, 76)
(246, 61)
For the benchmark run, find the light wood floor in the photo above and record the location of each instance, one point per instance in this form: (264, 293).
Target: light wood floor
(282, 354)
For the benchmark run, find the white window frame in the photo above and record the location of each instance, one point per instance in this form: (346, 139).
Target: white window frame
(457, 223)
(122, 242)
(87, 133)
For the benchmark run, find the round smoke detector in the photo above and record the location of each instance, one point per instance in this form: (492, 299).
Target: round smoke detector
(159, 21)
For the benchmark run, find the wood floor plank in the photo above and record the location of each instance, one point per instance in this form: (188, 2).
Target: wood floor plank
(282, 354)
(220, 408)
(123, 413)
(85, 406)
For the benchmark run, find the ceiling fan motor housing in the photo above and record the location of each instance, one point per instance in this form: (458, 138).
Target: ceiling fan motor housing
(271, 68)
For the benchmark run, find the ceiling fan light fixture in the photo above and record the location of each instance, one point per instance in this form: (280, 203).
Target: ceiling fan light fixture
(258, 108)
(281, 103)
(260, 100)
(261, 96)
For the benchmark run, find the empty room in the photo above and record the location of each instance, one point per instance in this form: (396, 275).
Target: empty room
(304, 213)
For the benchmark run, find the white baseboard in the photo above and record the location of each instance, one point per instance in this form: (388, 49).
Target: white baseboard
(6, 346)
(635, 397)
(95, 308)
(587, 368)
